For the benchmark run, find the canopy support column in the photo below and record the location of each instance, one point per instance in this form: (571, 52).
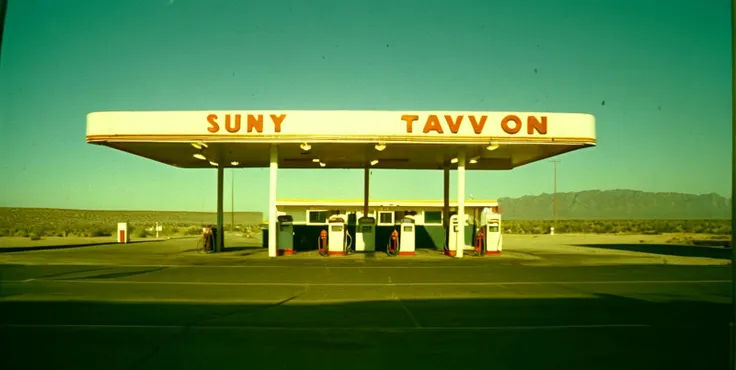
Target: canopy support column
(220, 241)
(446, 198)
(366, 190)
(460, 204)
(273, 168)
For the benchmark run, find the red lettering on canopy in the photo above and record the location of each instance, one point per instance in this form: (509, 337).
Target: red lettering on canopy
(534, 124)
(508, 129)
(433, 124)
(255, 122)
(409, 118)
(228, 127)
(478, 125)
(214, 127)
(454, 125)
(277, 121)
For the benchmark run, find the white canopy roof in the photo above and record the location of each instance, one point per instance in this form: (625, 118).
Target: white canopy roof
(342, 139)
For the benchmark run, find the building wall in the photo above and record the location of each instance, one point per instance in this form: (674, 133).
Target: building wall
(306, 234)
(430, 237)
(299, 214)
(299, 217)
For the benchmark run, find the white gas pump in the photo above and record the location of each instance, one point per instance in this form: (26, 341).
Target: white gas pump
(339, 240)
(285, 235)
(491, 229)
(365, 235)
(467, 228)
(407, 237)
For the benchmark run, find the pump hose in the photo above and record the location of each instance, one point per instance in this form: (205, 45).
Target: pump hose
(349, 243)
(389, 252)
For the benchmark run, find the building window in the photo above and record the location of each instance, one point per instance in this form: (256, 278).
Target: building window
(433, 217)
(317, 217)
(385, 218)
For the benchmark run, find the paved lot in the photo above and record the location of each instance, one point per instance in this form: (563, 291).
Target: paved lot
(160, 305)
(543, 250)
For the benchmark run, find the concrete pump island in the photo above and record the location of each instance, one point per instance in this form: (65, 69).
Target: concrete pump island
(408, 140)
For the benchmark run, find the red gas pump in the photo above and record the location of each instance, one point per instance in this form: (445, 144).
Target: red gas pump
(480, 242)
(207, 243)
(208, 239)
(322, 243)
(393, 244)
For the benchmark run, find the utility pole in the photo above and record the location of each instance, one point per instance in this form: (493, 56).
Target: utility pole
(554, 195)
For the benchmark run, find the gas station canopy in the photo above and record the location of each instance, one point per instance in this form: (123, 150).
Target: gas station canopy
(342, 139)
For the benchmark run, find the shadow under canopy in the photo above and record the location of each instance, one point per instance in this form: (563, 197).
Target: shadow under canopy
(602, 332)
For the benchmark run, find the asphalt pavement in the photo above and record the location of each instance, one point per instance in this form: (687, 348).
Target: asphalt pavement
(350, 313)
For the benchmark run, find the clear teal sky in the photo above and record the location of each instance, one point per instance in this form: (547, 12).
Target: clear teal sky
(662, 68)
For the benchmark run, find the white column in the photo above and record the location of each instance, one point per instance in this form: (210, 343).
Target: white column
(366, 190)
(460, 204)
(273, 168)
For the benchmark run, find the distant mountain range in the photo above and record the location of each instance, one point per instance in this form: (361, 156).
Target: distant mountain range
(583, 205)
(617, 204)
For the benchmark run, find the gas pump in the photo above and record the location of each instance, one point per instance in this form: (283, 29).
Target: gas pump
(479, 243)
(322, 243)
(407, 241)
(455, 228)
(491, 230)
(209, 239)
(404, 243)
(339, 240)
(365, 235)
(285, 235)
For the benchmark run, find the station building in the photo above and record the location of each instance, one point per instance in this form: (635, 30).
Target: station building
(309, 217)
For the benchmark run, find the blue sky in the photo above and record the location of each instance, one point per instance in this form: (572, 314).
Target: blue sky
(662, 68)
